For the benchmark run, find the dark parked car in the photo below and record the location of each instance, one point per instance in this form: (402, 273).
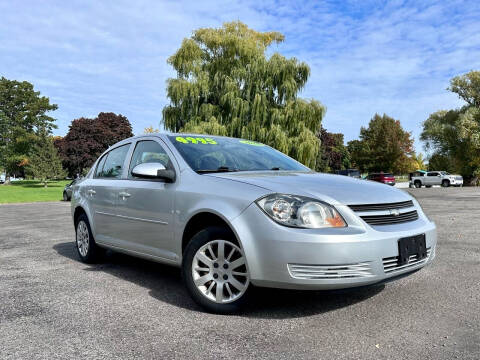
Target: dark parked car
(67, 190)
(384, 178)
(349, 172)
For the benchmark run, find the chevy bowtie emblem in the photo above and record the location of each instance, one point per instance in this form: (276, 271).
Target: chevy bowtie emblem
(394, 212)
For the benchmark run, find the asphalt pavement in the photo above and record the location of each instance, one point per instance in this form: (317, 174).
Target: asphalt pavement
(52, 306)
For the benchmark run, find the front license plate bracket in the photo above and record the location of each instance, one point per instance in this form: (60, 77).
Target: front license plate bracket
(412, 245)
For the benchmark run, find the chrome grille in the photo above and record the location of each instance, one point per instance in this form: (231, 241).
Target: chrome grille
(375, 207)
(386, 214)
(390, 219)
(459, 178)
(390, 264)
(323, 272)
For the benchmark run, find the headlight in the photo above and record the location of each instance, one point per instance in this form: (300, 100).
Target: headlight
(299, 211)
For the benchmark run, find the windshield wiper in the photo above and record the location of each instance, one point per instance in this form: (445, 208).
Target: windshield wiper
(218, 170)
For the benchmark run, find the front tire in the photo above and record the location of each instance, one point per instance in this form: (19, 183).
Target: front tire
(88, 251)
(445, 183)
(65, 196)
(215, 271)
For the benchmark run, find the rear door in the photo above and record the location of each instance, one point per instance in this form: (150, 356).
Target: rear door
(146, 206)
(102, 193)
(433, 178)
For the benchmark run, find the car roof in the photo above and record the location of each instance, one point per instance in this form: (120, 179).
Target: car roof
(166, 134)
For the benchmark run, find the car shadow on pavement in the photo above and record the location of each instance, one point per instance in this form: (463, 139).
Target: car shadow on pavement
(165, 284)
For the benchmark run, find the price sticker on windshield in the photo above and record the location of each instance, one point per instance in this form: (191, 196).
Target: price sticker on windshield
(195, 140)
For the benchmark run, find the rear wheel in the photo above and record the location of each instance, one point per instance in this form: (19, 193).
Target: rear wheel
(445, 183)
(215, 271)
(418, 184)
(88, 251)
(65, 196)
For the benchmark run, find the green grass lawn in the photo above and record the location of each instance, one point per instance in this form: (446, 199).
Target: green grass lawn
(31, 191)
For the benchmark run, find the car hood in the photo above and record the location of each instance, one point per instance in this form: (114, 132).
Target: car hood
(334, 189)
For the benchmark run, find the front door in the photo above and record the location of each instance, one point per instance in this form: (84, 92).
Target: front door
(145, 207)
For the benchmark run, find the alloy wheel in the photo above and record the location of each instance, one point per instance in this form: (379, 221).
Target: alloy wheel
(219, 271)
(83, 238)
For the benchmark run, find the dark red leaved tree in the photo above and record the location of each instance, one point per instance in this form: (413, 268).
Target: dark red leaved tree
(88, 138)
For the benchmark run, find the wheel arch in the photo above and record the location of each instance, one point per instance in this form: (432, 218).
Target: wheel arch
(202, 220)
(79, 210)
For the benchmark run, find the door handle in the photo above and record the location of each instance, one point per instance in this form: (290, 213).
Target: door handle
(91, 192)
(124, 194)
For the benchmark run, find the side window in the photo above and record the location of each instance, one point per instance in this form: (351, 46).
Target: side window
(100, 165)
(113, 167)
(432, 174)
(148, 151)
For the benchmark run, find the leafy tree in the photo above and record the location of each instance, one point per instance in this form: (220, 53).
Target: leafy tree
(360, 155)
(44, 163)
(226, 85)
(418, 161)
(150, 130)
(88, 138)
(405, 164)
(333, 154)
(467, 87)
(23, 115)
(440, 162)
(454, 135)
(383, 146)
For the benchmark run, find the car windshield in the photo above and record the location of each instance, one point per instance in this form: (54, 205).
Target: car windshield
(220, 154)
(444, 173)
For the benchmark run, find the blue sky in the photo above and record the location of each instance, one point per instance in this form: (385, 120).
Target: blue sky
(365, 56)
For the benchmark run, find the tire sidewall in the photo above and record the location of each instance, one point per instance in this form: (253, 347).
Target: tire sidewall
(196, 242)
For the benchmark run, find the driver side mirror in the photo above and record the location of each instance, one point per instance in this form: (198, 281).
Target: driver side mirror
(153, 170)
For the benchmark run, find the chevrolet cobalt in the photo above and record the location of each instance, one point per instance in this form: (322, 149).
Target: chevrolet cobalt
(234, 213)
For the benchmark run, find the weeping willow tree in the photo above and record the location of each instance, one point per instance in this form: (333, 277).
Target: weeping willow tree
(226, 85)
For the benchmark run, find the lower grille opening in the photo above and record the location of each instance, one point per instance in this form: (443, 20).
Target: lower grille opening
(323, 272)
(390, 264)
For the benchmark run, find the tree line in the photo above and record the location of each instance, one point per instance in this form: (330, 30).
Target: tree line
(226, 84)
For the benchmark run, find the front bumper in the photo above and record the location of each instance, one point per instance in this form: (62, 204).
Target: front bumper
(455, 182)
(335, 258)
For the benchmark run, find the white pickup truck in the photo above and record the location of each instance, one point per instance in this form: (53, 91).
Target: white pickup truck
(431, 178)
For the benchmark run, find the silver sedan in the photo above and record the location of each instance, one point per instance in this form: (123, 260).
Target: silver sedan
(234, 213)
